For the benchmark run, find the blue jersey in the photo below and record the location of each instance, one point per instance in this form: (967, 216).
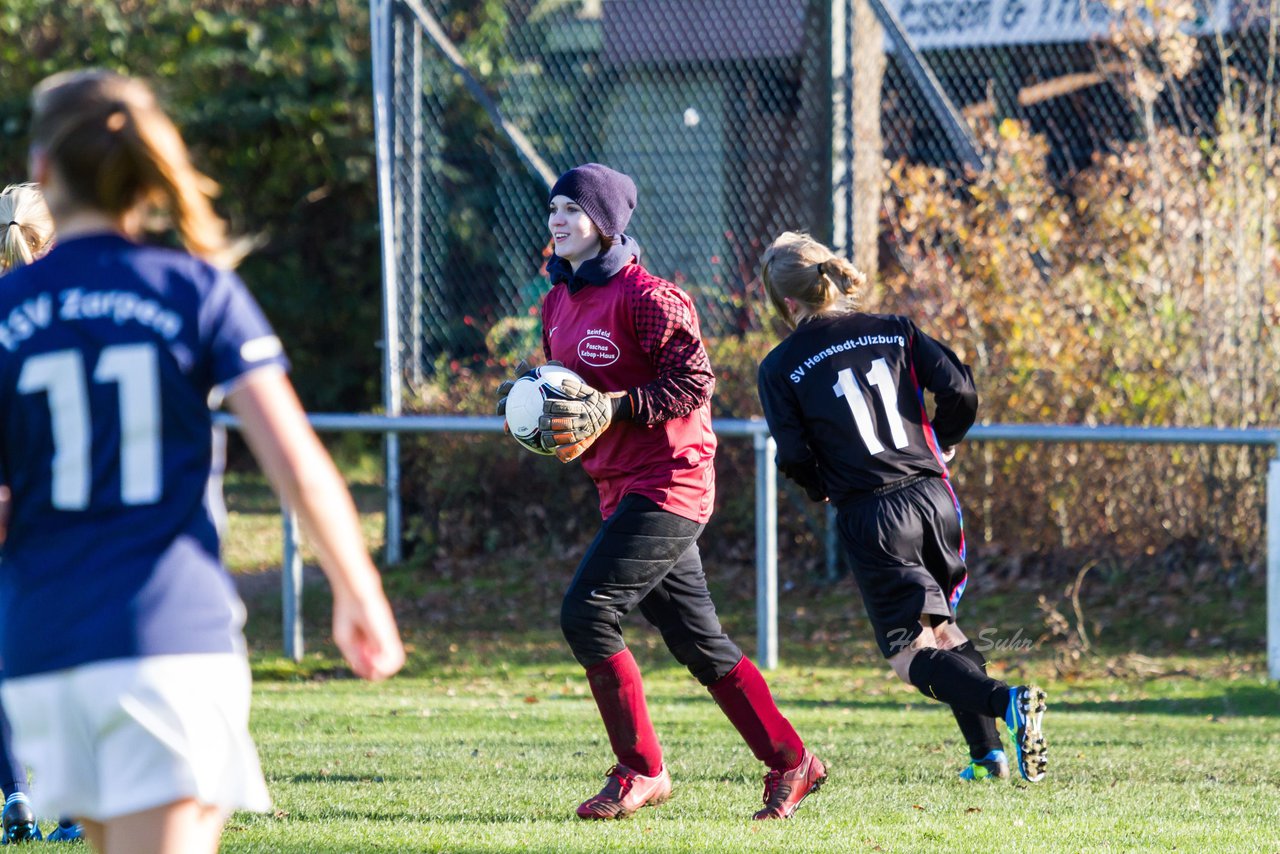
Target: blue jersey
(110, 354)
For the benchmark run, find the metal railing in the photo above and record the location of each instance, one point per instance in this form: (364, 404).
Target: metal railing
(767, 499)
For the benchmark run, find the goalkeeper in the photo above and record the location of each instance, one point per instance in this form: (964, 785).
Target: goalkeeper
(642, 428)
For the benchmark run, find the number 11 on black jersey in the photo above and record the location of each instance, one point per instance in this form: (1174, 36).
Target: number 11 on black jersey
(881, 379)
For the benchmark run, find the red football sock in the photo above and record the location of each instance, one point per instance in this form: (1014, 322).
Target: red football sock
(619, 692)
(744, 697)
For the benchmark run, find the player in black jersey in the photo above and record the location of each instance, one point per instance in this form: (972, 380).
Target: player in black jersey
(844, 398)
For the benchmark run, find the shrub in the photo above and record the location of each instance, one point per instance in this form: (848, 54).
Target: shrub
(1123, 298)
(1133, 300)
(275, 99)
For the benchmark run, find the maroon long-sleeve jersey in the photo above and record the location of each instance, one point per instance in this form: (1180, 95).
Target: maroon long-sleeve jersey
(639, 333)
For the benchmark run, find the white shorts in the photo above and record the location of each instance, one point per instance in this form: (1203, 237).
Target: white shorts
(109, 739)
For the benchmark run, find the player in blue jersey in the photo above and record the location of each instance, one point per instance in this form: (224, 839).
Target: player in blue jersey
(26, 233)
(844, 398)
(130, 699)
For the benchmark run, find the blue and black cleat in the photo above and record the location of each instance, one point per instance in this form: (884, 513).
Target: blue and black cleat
(1024, 718)
(993, 766)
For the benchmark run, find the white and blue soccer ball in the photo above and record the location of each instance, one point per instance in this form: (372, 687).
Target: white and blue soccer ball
(524, 403)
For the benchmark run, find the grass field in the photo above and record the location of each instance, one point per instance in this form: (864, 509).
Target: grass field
(490, 739)
(495, 758)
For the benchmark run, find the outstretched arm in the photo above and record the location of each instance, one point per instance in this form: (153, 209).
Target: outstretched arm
(304, 476)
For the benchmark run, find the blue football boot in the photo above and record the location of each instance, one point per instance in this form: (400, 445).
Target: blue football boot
(19, 822)
(1024, 718)
(66, 831)
(993, 766)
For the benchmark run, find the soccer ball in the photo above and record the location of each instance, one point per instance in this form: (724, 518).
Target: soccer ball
(524, 403)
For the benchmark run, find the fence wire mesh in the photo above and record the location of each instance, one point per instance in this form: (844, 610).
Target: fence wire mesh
(741, 118)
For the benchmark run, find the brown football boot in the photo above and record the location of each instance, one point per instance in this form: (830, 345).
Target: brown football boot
(784, 790)
(625, 792)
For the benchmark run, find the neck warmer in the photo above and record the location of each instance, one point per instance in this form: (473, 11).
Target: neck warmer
(597, 270)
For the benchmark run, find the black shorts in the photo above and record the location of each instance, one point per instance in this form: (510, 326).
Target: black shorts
(907, 547)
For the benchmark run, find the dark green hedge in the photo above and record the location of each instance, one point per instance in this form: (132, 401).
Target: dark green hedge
(274, 96)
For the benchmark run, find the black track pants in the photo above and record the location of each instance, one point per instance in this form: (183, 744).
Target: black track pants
(648, 557)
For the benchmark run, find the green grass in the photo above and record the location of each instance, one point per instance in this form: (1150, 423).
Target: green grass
(254, 541)
(490, 739)
(495, 758)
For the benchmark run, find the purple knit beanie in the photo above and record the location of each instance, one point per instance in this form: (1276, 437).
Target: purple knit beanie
(606, 196)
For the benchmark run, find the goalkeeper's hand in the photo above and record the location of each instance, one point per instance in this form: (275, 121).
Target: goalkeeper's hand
(505, 389)
(571, 426)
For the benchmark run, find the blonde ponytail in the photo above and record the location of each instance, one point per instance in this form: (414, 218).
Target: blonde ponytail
(116, 150)
(26, 228)
(817, 281)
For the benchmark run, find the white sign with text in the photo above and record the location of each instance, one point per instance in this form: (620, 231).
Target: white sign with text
(934, 24)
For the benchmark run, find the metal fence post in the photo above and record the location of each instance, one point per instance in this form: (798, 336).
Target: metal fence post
(291, 582)
(831, 542)
(381, 26)
(766, 551)
(1273, 567)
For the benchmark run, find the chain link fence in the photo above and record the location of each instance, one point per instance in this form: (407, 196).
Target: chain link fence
(1086, 73)
(721, 120)
(1079, 195)
(741, 118)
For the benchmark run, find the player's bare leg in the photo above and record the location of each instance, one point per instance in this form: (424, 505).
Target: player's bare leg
(901, 660)
(949, 636)
(94, 832)
(182, 827)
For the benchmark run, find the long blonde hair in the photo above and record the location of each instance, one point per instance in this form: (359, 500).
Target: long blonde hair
(26, 229)
(116, 149)
(797, 267)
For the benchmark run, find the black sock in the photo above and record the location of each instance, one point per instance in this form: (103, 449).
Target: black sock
(953, 679)
(979, 731)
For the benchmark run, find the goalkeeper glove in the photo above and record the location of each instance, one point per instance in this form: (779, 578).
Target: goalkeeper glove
(571, 426)
(505, 389)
